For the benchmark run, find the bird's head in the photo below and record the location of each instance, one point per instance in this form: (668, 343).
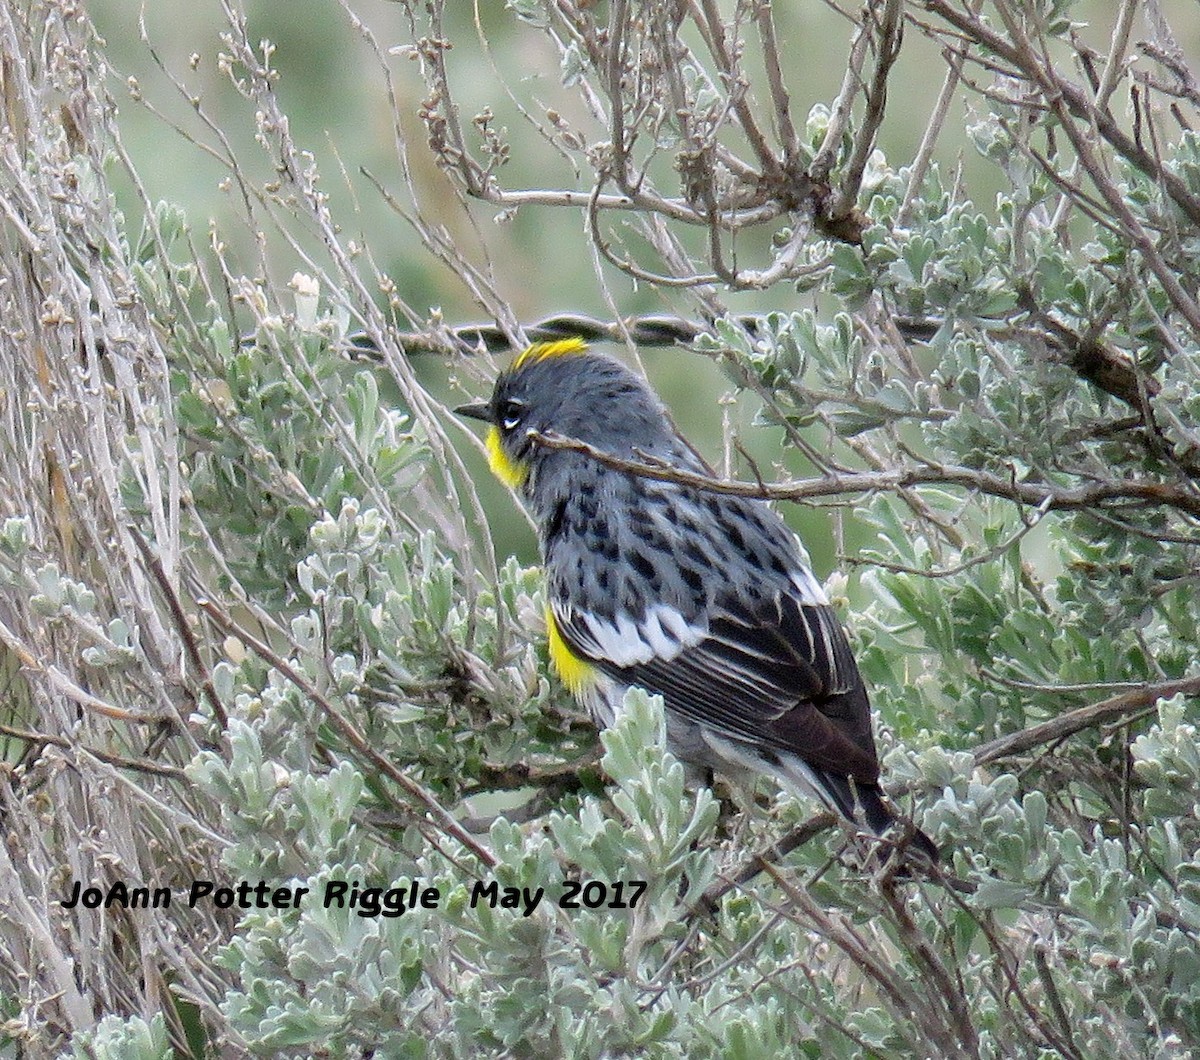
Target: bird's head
(563, 389)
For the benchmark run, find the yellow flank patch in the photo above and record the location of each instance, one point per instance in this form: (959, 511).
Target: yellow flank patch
(508, 471)
(576, 673)
(540, 351)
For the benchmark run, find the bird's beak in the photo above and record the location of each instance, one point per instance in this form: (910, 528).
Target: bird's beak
(480, 410)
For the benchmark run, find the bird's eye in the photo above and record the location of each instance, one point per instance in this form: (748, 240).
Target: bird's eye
(511, 414)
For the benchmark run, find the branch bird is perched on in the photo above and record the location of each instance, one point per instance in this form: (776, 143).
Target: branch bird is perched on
(703, 598)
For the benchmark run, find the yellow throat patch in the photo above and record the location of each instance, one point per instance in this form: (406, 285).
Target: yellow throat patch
(576, 673)
(508, 471)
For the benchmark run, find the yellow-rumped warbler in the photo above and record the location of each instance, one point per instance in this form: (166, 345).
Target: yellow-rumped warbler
(703, 598)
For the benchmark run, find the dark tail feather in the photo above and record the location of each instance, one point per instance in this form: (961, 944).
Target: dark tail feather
(880, 819)
(863, 804)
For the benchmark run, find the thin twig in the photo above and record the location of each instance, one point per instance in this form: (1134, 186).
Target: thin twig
(933, 129)
(137, 765)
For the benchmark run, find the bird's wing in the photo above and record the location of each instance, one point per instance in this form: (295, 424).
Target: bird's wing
(779, 676)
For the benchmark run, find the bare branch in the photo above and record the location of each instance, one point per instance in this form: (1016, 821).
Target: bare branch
(891, 33)
(1067, 96)
(1036, 495)
(1105, 712)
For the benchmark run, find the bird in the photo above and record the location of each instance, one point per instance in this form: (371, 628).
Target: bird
(704, 598)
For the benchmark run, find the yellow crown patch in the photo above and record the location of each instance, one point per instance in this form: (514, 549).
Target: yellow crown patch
(541, 351)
